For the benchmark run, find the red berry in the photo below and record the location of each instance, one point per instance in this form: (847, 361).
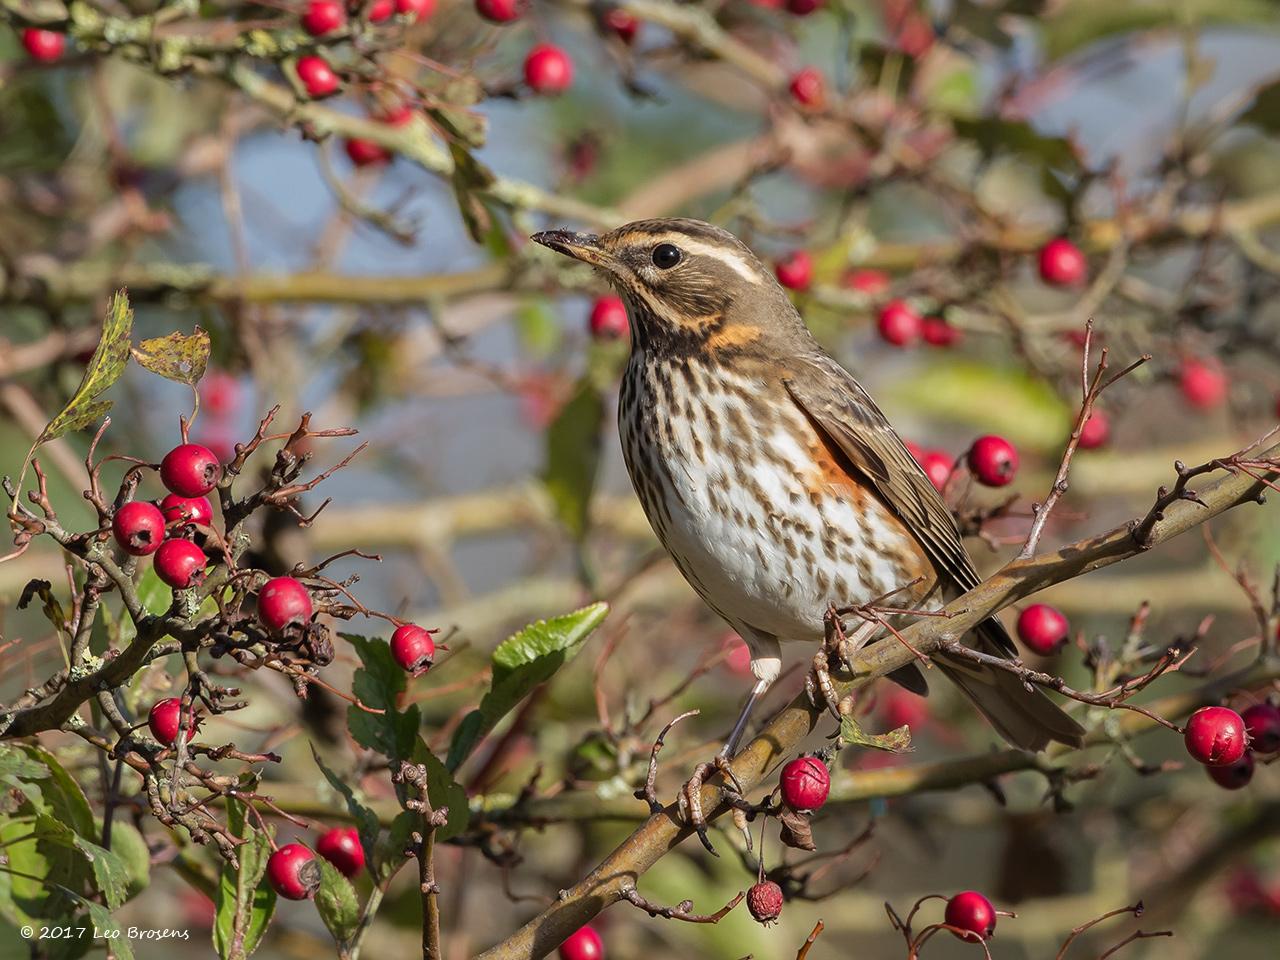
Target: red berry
(500, 11)
(1216, 736)
(902, 708)
(341, 846)
(44, 45)
(973, 912)
(178, 509)
(416, 9)
(915, 37)
(316, 75)
(620, 23)
(180, 563)
(1203, 383)
(764, 900)
(548, 69)
(937, 332)
(138, 527)
(283, 601)
(937, 466)
(1233, 776)
(808, 88)
(993, 461)
(366, 153)
(323, 16)
(1043, 629)
(583, 944)
(219, 390)
(608, 320)
(1262, 723)
(802, 8)
(1096, 431)
(898, 323)
(1062, 264)
(293, 872)
(381, 10)
(805, 783)
(795, 271)
(163, 721)
(190, 470)
(871, 282)
(413, 649)
(737, 655)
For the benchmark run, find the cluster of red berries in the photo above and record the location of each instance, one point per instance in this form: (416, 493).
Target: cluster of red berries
(293, 872)
(1226, 741)
(901, 325)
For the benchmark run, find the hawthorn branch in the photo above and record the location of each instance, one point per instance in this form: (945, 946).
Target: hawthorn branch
(664, 831)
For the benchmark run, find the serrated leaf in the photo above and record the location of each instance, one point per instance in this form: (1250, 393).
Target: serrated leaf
(128, 844)
(109, 873)
(895, 741)
(378, 683)
(523, 661)
(13, 762)
(104, 922)
(63, 798)
(176, 357)
(574, 441)
(443, 791)
(389, 853)
(244, 903)
(105, 368)
(366, 820)
(336, 901)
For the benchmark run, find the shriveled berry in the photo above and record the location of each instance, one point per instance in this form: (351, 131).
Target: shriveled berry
(993, 461)
(971, 911)
(1043, 629)
(621, 24)
(808, 88)
(805, 783)
(795, 270)
(180, 563)
(180, 509)
(937, 467)
(46, 46)
(500, 11)
(1062, 263)
(938, 333)
(548, 69)
(898, 323)
(1262, 724)
(608, 320)
(190, 470)
(341, 846)
(1233, 776)
(764, 900)
(163, 720)
(1096, 431)
(317, 77)
(282, 601)
(323, 16)
(802, 8)
(871, 282)
(1203, 383)
(293, 872)
(413, 649)
(583, 944)
(1216, 736)
(138, 527)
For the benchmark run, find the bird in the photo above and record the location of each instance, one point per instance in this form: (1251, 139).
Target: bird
(771, 477)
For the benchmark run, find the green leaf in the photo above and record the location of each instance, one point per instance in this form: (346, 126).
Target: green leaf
(539, 327)
(522, 662)
(63, 798)
(14, 762)
(105, 368)
(574, 441)
(175, 357)
(155, 594)
(104, 922)
(109, 873)
(378, 683)
(443, 791)
(336, 901)
(993, 135)
(366, 820)
(389, 853)
(244, 903)
(895, 741)
(128, 844)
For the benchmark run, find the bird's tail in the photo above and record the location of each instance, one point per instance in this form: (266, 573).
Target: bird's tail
(1026, 718)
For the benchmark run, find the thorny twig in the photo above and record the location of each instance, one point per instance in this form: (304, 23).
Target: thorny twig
(681, 911)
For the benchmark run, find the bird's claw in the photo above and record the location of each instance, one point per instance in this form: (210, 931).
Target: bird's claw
(689, 801)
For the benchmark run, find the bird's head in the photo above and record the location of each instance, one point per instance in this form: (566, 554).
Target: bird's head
(689, 285)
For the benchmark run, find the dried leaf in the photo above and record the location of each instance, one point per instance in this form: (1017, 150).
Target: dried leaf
(895, 741)
(175, 357)
(797, 832)
(105, 368)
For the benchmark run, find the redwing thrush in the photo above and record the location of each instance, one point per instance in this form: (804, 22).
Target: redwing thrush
(768, 473)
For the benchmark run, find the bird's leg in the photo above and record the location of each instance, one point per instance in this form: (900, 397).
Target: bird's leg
(690, 798)
(836, 643)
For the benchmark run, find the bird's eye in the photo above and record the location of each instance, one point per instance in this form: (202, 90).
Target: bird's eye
(666, 255)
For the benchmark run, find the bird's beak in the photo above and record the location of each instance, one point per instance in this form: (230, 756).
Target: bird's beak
(581, 246)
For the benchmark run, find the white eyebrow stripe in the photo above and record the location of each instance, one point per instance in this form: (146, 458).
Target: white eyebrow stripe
(729, 258)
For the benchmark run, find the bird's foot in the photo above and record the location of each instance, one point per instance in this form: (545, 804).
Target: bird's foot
(689, 801)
